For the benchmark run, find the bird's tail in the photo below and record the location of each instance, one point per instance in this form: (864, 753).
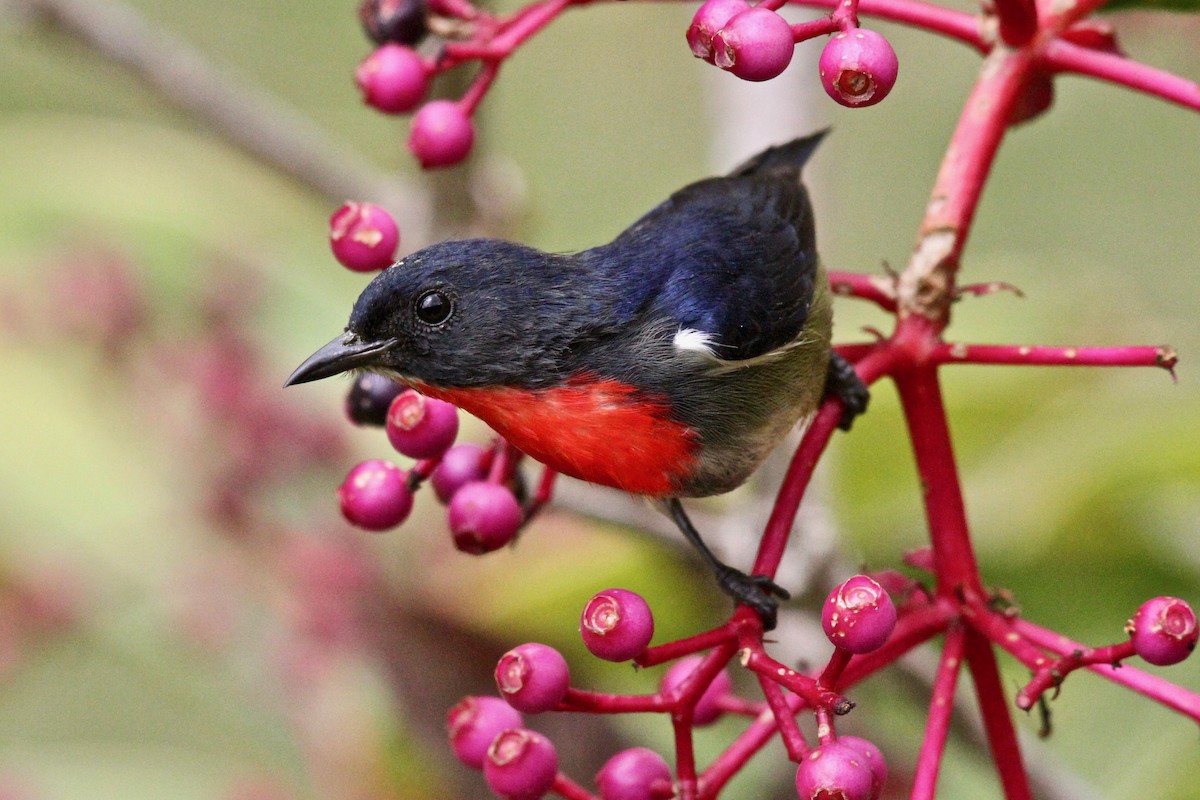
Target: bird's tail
(791, 155)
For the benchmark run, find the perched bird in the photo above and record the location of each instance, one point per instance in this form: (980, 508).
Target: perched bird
(666, 363)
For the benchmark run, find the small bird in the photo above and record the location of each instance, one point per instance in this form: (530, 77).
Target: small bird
(666, 363)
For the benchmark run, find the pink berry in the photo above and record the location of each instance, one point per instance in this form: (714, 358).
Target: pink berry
(709, 19)
(834, 772)
(858, 616)
(755, 45)
(520, 765)
(532, 677)
(872, 757)
(474, 723)
(420, 426)
(633, 774)
(363, 237)
(461, 464)
(392, 79)
(708, 708)
(1164, 631)
(858, 67)
(442, 134)
(483, 517)
(616, 625)
(375, 495)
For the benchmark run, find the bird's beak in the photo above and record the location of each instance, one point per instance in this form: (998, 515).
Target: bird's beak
(345, 352)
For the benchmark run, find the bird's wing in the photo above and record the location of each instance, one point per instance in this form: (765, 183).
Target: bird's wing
(732, 260)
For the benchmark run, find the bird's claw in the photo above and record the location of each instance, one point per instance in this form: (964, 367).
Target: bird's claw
(843, 383)
(757, 591)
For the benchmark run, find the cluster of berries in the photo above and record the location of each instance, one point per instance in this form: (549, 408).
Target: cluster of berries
(858, 67)
(617, 625)
(484, 513)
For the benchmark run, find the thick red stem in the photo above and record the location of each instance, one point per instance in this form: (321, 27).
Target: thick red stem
(997, 721)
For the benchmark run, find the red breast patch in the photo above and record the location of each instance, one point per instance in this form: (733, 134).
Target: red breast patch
(598, 430)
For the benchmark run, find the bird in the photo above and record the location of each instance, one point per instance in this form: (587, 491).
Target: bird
(665, 363)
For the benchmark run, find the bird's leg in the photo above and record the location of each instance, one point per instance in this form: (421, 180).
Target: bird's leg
(757, 591)
(843, 383)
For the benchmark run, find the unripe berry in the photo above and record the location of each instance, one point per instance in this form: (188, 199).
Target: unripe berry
(473, 725)
(400, 21)
(755, 45)
(858, 616)
(834, 772)
(873, 757)
(369, 398)
(616, 625)
(708, 708)
(461, 464)
(375, 495)
(709, 19)
(1164, 631)
(858, 67)
(632, 775)
(363, 237)
(420, 426)
(532, 677)
(521, 765)
(392, 79)
(483, 517)
(442, 134)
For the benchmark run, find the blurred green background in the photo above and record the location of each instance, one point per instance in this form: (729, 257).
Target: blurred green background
(183, 615)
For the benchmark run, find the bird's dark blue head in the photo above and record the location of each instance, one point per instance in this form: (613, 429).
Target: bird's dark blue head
(472, 312)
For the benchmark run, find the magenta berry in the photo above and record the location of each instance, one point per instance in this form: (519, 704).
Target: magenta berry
(858, 67)
(420, 426)
(483, 517)
(858, 616)
(872, 757)
(835, 772)
(363, 237)
(400, 21)
(442, 134)
(708, 708)
(616, 625)
(1164, 631)
(532, 677)
(474, 723)
(375, 495)
(461, 464)
(520, 765)
(709, 19)
(369, 398)
(392, 79)
(633, 774)
(755, 45)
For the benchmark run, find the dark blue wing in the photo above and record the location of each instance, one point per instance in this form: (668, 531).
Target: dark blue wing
(731, 257)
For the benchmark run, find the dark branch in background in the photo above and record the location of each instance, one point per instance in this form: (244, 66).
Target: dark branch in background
(254, 121)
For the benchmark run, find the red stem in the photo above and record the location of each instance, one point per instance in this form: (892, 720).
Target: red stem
(565, 787)
(1018, 21)
(1151, 686)
(785, 719)
(877, 289)
(1041, 355)
(997, 722)
(1061, 56)
(933, 18)
(941, 706)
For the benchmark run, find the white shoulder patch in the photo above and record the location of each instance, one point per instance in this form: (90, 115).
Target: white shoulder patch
(695, 341)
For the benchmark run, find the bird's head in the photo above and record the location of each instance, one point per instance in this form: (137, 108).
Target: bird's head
(458, 313)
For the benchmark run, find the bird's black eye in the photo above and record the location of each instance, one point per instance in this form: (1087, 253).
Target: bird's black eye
(434, 307)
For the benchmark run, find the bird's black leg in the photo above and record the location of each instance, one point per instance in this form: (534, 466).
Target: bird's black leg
(757, 591)
(843, 383)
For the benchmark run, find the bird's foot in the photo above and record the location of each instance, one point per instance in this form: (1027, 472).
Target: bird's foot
(843, 383)
(757, 591)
